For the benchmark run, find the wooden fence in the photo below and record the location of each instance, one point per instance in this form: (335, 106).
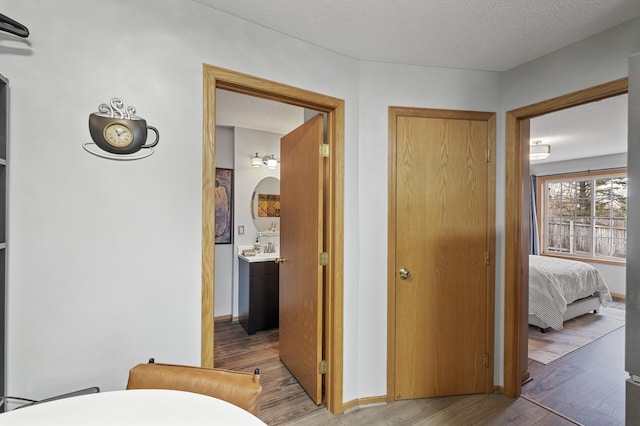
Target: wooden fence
(571, 237)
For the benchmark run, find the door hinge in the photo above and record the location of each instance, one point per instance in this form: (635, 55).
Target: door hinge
(324, 258)
(322, 367)
(486, 360)
(487, 258)
(488, 155)
(324, 150)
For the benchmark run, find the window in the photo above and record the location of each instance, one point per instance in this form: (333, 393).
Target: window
(584, 215)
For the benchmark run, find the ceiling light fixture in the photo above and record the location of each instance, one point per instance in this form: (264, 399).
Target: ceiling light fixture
(539, 151)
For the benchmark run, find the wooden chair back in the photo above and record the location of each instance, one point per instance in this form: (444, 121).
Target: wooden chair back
(239, 388)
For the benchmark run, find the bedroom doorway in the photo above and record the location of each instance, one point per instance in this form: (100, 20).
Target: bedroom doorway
(332, 315)
(517, 224)
(584, 175)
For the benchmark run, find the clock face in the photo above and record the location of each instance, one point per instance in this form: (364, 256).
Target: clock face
(118, 135)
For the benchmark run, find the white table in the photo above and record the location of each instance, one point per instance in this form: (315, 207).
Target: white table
(132, 407)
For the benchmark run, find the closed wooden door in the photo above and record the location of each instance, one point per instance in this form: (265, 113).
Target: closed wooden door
(442, 253)
(301, 242)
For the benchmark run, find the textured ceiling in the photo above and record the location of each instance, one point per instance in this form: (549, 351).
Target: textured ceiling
(493, 35)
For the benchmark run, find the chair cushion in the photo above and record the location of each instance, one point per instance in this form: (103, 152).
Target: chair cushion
(238, 388)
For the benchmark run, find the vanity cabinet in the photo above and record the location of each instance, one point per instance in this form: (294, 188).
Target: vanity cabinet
(258, 295)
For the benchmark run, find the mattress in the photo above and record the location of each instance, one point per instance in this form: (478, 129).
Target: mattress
(556, 283)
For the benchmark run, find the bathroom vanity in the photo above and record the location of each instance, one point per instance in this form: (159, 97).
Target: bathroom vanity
(258, 274)
(258, 292)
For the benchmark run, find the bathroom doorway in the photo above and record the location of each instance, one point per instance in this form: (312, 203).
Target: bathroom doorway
(217, 78)
(256, 138)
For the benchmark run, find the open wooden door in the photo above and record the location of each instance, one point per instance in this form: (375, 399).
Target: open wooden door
(301, 242)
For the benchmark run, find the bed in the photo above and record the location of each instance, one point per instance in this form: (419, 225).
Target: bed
(561, 289)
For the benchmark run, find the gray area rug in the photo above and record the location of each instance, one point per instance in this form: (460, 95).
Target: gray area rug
(577, 332)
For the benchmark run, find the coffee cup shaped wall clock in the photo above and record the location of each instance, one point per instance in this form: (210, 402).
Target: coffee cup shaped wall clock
(119, 134)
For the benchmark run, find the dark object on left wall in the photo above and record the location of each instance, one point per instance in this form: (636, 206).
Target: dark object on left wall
(9, 25)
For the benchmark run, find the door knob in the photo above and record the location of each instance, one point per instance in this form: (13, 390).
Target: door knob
(280, 259)
(404, 273)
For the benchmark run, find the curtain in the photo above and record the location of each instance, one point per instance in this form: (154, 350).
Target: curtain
(534, 245)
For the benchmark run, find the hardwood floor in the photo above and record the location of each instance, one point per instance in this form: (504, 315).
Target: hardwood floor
(284, 402)
(283, 399)
(587, 385)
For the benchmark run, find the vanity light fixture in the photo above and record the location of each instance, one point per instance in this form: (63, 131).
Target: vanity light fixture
(256, 161)
(539, 151)
(270, 161)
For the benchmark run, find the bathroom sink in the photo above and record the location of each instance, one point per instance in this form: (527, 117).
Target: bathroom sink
(272, 256)
(260, 257)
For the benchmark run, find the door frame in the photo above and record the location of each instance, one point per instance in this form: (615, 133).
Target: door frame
(490, 118)
(517, 228)
(220, 78)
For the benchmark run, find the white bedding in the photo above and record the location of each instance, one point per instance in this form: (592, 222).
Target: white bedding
(554, 283)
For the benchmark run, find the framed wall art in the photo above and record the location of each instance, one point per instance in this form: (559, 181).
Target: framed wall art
(224, 205)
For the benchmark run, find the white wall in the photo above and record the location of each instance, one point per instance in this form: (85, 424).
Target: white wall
(602, 162)
(224, 252)
(592, 61)
(104, 256)
(615, 276)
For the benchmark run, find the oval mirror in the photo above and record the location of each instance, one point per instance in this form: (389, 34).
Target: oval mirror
(265, 205)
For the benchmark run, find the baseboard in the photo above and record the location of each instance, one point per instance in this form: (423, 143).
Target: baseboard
(379, 400)
(226, 318)
(362, 402)
(618, 296)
